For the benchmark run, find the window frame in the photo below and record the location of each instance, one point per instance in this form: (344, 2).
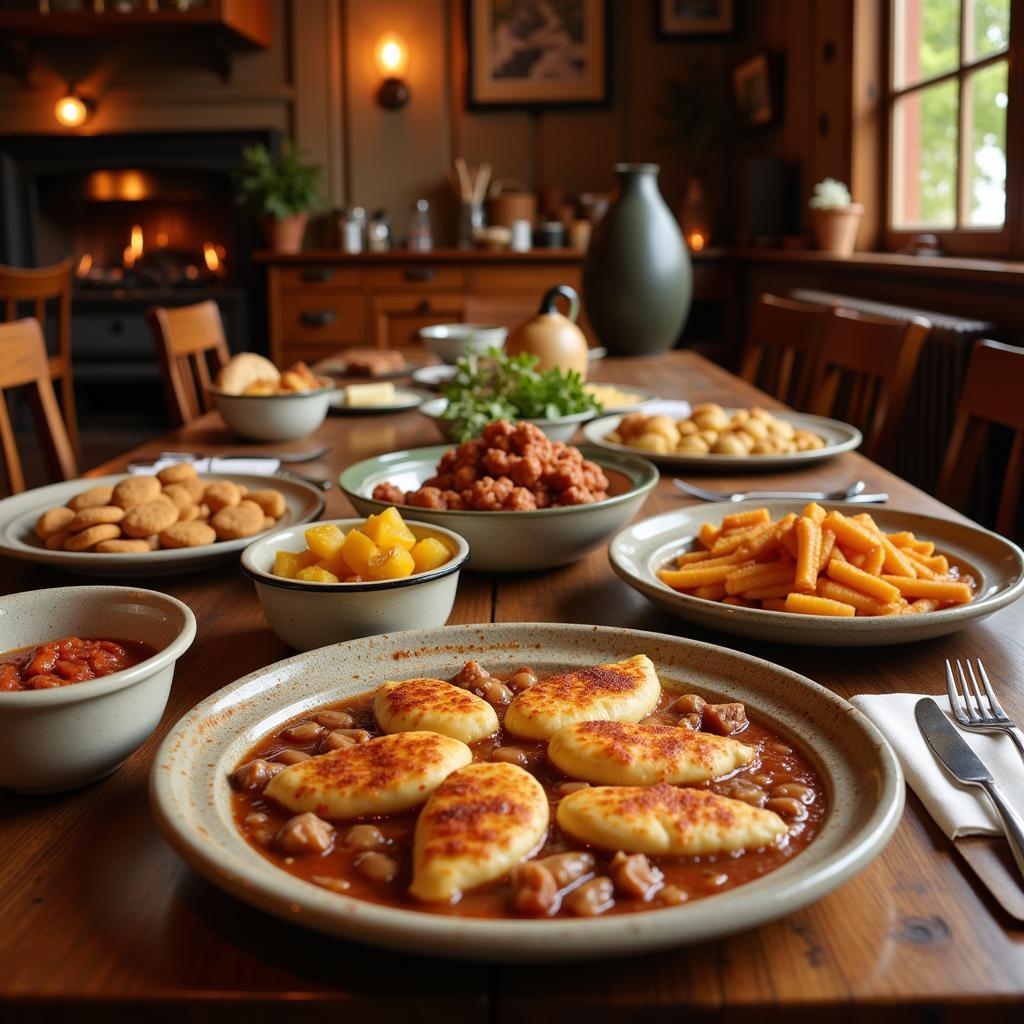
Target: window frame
(1004, 241)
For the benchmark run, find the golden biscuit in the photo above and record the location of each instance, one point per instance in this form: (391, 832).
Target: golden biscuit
(221, 494)
(188, 514)
(91, 498)
(52, 521)
(268, 522)
(55, 542)
(152, 517)
(135, 490)
(195, 487)
(204, 511)
(94, 517)
(241, 520)
(91, 537)
(181, 496)
(176, 473)
(188, 535)
(242, 489)
(272, 502)
(123, 546)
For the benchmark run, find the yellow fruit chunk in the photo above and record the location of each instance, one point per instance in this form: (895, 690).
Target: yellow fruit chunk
(387, 529)
(314, 574)
(429, 553)
(306, 557)
(390, 564)
(357, 551)
(286, 564)
(325, 539)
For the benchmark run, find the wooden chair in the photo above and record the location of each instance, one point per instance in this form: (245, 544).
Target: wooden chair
(39, 286)
(782, 347)
(185, 337)
(993, 393)
(23, 362)
(864, 372)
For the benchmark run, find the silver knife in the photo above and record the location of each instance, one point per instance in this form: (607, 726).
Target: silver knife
(965, 766)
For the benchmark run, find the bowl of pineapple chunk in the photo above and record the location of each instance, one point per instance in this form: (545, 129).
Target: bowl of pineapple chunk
(340, 579)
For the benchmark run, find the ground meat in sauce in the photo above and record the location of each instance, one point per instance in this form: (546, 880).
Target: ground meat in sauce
(564, 879)
(68, 660)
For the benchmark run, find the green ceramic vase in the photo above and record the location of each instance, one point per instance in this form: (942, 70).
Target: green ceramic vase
(637, 278)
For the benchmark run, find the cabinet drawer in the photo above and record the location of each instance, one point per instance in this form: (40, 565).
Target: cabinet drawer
(419, 276)
(398, 318)
(485, 280)
(313, 276)
(322, 317)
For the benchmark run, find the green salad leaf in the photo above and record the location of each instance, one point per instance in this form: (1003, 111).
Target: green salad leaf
(493, 386)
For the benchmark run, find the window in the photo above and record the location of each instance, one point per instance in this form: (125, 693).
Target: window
(949, 99)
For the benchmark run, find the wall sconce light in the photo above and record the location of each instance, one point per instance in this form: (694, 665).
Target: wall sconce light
(391, 57)
(73, 110)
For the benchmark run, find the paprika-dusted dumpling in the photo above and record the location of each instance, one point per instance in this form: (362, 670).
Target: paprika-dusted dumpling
(436, 706)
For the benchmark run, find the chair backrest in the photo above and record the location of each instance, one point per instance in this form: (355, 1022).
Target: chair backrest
(21, 286)
(186, 338)
(782, 346)
(864, 373)
(23, 363)
(993, 392)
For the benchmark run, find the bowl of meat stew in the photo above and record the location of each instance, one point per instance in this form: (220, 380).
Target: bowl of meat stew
(85, 673)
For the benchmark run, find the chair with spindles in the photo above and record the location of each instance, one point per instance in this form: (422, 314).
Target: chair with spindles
(36, 287)
(24, 363)
(782, 346)
(187, 339)
(864, 372)
(992, 394)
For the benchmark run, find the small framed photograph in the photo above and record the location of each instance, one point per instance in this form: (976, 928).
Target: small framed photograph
(537, 53)
(676, 18)
(753, 91)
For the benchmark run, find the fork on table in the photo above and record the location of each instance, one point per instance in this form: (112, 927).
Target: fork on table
(978, 716)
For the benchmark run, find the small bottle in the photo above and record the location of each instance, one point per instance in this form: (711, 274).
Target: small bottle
(420, 237)
(378, 232)
(352, 229)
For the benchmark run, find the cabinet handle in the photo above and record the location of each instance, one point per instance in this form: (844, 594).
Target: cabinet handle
(419, 273)
(318, 317)
(317, 274)
(424, 306)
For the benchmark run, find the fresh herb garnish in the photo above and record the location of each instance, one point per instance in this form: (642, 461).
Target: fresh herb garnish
(493, 386)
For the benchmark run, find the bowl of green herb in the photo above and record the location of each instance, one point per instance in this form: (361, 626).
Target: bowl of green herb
(493, 386)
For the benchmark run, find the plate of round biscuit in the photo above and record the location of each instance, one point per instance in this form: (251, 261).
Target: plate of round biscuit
(131, 526)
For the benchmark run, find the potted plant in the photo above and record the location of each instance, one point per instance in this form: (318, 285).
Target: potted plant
(281, 191)
(835, 218)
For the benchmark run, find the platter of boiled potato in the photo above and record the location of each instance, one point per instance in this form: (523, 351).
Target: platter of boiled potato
(724, 439)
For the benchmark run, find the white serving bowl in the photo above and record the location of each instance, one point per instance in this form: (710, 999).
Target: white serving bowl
(307, 615)
(284, 417)
(561, 428)
(450, 341)
(71, 735)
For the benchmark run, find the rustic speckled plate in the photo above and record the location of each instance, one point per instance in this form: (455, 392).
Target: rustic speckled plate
(641, 549)
(18, 515)
(191, 796)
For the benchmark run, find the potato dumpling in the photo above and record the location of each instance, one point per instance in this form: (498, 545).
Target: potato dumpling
(687, 427)
(653, 443)
(693, 445)
(709, 436)
(757, 429)
(729, 444)
(665, 426)
(711, 419)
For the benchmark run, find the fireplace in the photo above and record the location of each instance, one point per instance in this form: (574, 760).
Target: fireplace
(149, 219)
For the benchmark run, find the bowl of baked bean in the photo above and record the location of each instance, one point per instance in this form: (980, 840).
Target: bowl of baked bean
(521, 500)
(84, 677)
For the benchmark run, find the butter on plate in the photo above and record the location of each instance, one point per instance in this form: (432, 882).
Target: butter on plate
(376, 394)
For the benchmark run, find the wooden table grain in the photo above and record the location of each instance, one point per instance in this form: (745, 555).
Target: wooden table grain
(100, 918)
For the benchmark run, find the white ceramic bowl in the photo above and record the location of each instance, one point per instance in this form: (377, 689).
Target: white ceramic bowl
(449, 341)
(307, 615)
(284, 417)
(562, 428)
(71, 735)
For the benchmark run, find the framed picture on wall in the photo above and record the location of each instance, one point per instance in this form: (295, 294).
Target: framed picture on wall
(676, 18)
(753, 91)
(537, 53)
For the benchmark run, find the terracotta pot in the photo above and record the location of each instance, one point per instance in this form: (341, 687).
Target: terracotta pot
(285, 235)
(835, 229)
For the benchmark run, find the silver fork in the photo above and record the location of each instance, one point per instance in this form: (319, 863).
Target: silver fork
(852, 493)
(978, 717)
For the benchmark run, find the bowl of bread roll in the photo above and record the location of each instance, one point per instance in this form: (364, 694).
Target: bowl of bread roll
(259, 402)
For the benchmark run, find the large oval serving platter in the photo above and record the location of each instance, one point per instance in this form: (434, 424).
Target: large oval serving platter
(191, 795)
(18, 515)
(839, 437)
(641, 549)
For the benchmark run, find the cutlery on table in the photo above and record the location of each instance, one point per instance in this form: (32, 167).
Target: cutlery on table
(978, 717)
(321, 482)
(966, 767)
(853, 493)
(282, 457)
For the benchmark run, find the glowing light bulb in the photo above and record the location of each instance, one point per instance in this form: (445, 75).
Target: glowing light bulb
(696, 241)
(391, 56)
(71, 111)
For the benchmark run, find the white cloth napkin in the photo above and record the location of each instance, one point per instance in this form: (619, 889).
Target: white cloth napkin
(257, 467)
(958, 810)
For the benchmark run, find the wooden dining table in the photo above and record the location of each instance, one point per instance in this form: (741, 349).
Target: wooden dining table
(102, 919)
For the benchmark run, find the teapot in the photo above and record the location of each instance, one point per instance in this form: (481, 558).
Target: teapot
(555, 339)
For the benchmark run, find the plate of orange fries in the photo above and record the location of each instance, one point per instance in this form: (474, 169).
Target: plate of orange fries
(819, 574)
